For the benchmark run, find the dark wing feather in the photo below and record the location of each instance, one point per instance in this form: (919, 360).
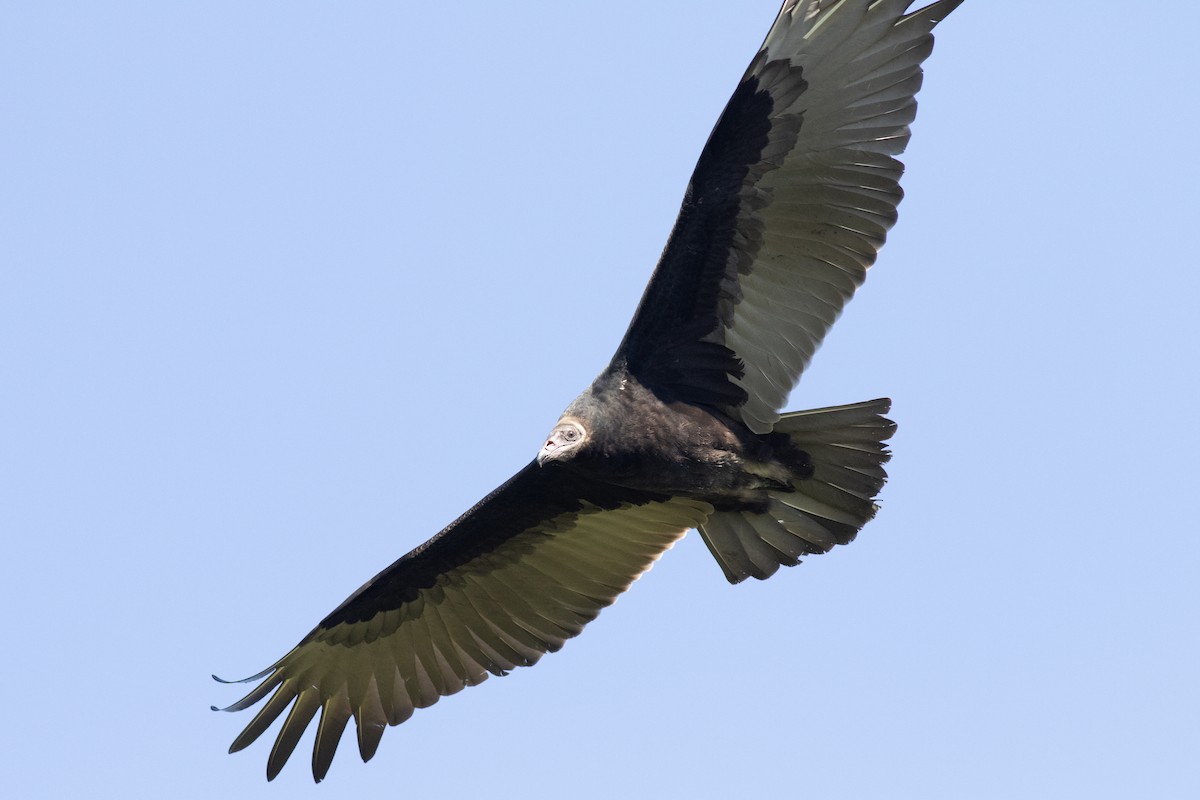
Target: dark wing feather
(789, 203)
(510, 580)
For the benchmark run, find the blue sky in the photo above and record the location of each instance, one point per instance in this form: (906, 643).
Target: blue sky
(289, 286)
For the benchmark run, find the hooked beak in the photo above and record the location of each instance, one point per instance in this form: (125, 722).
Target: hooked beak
(549, 451)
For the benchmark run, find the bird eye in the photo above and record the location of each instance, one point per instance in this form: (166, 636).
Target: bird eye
(570, 434)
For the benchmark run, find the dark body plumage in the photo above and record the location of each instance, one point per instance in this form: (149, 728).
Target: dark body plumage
(645, 439)
(789, 203)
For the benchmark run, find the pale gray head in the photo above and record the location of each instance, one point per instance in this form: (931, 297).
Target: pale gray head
(564, 441)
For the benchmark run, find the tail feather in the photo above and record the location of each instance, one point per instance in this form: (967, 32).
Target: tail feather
(846, 447)
(751, 554)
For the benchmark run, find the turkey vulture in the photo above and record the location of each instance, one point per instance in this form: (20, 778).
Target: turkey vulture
(790, 200)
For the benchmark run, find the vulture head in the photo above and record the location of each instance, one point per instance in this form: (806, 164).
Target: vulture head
(564, 441)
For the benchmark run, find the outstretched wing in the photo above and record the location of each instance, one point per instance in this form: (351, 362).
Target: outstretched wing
(512, 579)
(789, 203)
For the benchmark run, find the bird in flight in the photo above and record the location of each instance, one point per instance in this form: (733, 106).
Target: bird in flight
(791, 199)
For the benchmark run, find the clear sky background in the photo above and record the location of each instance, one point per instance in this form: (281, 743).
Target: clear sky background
(288, 286)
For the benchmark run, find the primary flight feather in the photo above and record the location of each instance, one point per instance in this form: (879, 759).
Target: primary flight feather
(789, 203)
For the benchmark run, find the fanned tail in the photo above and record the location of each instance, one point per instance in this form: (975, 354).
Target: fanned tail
(846, 446)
